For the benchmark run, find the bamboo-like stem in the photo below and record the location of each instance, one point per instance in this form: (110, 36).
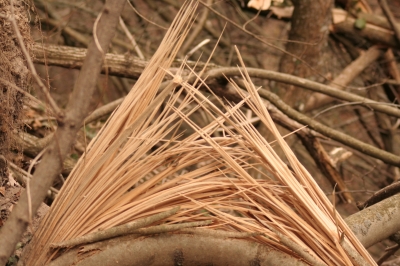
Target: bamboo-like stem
(125, 229)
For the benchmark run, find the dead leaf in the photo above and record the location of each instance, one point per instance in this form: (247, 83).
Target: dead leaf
(12, 181)
(30, 113)
(339, 155)
(259, 4)
(339, 15)
(282, 12)
(37, 124)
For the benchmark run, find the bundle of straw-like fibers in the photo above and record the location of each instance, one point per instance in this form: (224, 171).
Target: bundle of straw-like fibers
(141, 164)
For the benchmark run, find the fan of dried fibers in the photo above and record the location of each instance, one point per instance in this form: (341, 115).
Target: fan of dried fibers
(141, 164)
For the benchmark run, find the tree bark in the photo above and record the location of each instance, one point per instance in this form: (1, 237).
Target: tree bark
(376, 222)
(15, 71)
(77, 109)
(307, 41)
(176, 249)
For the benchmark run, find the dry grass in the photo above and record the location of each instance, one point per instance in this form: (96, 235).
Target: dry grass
(140, 164)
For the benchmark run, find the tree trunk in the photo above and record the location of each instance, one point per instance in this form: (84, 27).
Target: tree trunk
(307, 40)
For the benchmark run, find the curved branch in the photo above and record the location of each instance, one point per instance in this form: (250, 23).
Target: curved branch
(380, 195)
(176, 249)
(376, 222)
(341, 137)
(132, 67)
(306, 84)
(305, 120)
(348, 74)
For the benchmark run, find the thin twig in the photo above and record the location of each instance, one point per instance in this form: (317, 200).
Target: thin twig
(380, 195)
(163, 228)
(27, 94)
(343, 79)
(197, 29)
(306, 84)
(77, 36)
(143, 17)
(21, 175)
(33, 145)
(261, 39)
(57, 22)
(103, 111)
(388, 252)
(303, 119)
(219, 233)
(329, 132)
(131, 38)
(367, 128)
(323, 161)
(81, 6)
(132, 67)
(390, 17)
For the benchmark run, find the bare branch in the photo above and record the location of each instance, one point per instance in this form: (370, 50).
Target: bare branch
(369, 32)
(391, 19)
(380, 195)
(376, 222)
(348, 74)
(124, 229)
(173, 248)
(385, 156)
(132, 67)
(307, 84)
(301, 118)
(196, 30)
(131, 38)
